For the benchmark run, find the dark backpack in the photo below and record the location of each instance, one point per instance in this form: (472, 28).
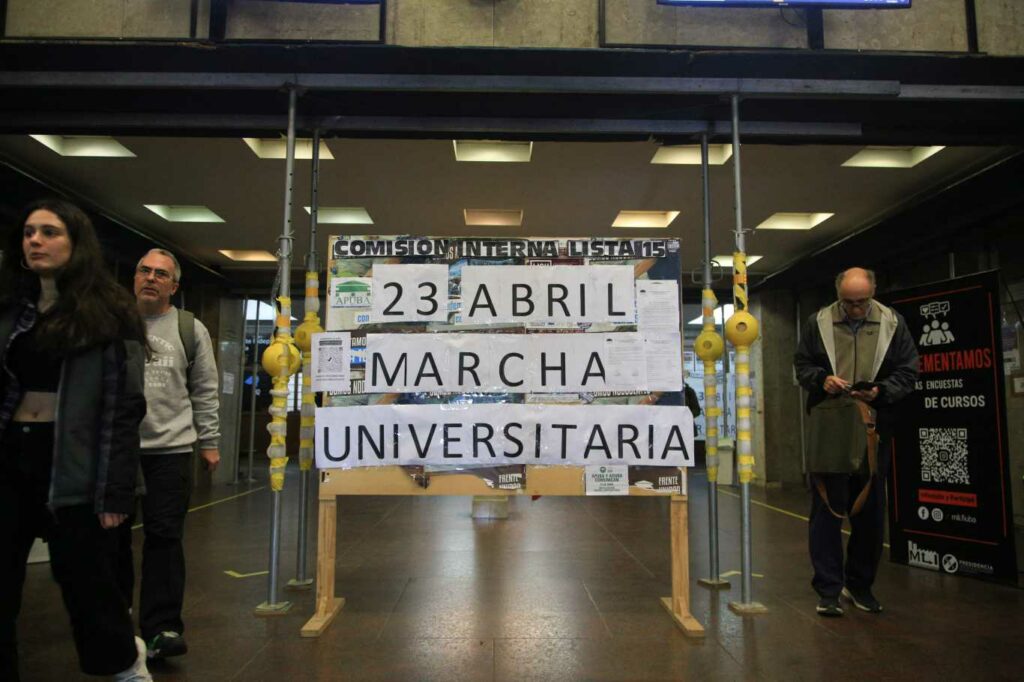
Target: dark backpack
(187, 332)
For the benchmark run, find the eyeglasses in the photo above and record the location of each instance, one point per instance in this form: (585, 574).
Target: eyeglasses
(859, 303)
(158, 274)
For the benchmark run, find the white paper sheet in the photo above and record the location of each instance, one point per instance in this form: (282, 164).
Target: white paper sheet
(331, 362)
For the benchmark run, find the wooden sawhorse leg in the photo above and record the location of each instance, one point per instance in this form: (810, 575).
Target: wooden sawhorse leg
(327, 605)
(678, 605)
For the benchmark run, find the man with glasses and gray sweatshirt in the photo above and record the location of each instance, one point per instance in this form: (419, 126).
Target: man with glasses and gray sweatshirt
(182, 410)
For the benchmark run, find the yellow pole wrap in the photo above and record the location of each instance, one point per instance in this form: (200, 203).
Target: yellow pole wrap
(744, 425)
(311, 326)
(739, 279)
(742, 330)
(709, 347)
(280, 360)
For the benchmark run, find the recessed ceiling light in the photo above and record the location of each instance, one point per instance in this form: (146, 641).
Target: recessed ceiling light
(719, 315)
(277, 148)
(493, 216)
(84, 145)
(644, 218)
(726, 261)
(493, 151)
(185, 214)
(794, 221)
(689, 154)
(249, 256)
(891, 157)
(356, 215)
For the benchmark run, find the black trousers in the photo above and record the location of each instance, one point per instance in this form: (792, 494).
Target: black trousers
(867, 530)
(168, 481)
(82, 558)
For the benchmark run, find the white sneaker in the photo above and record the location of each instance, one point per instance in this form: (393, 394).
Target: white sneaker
(138, 672)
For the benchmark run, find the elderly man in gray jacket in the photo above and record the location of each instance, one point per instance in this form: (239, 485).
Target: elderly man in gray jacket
(182, 410)
(857, 361)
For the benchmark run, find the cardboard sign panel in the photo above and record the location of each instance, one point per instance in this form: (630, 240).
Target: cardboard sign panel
(499, 434)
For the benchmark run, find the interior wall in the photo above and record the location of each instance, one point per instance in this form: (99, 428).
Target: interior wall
(638, 22)
(782, 402)
(1000, 26)
(932, 25)
(102, 18)
(929, 25)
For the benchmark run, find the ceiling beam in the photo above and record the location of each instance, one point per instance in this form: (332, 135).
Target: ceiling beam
(632, 85)
(81, 121)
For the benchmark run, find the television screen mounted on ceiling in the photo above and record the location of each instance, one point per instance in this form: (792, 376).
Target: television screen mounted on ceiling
(820, 4)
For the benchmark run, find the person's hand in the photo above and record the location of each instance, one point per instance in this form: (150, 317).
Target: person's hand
(211, 458)
(866, 396)
(109, 520)
(834, 385)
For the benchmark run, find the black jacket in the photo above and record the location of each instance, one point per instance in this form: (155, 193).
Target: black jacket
(100, 404)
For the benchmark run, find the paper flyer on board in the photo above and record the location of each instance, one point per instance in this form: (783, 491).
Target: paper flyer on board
(331, 362)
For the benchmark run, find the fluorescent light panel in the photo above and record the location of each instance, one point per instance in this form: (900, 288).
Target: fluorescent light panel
(891, 157)
(249, 256)
(689, 154)
(337, 215)
(493, 216)
(645, 218)
(184, 214)
(84, 145)
(493, 151)
(719, 315)
(726, 261)
(277, 148)
(794, 221)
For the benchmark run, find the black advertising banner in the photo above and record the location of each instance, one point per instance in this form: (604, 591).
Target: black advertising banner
(950, 507)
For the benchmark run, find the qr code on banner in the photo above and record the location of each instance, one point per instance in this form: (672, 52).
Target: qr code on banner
(944, 455)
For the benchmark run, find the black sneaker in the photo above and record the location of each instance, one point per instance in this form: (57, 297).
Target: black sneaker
(165, 645)
(863, 600)
(829, 606)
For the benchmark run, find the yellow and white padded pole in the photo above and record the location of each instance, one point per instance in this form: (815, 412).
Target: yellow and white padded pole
(304, 339)
(280, 360)
(709, 347)
(741, 329)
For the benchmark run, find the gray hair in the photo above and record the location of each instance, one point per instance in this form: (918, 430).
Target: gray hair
(164, 252)
(870, 274)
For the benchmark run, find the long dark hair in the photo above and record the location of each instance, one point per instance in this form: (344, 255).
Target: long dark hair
(92, 308)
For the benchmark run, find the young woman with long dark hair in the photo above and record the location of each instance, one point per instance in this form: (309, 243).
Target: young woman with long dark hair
(71, 361)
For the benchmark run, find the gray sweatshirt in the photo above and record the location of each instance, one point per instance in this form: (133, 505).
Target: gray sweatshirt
(174, 419)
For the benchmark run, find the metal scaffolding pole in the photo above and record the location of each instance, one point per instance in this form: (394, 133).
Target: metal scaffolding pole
(742, 329)
(280, 357)
(255, 387)
(709, 347)
(304, 339)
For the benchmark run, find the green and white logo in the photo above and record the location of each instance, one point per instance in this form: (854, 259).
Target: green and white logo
(350, 292)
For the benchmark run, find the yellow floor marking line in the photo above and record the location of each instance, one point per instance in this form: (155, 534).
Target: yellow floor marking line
(731, 573)
(210, 504)
(236, 574)
(781, 511)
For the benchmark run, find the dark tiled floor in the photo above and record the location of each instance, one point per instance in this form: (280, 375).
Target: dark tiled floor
(566, 589)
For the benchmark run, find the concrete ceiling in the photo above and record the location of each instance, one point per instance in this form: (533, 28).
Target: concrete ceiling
(569, 189)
